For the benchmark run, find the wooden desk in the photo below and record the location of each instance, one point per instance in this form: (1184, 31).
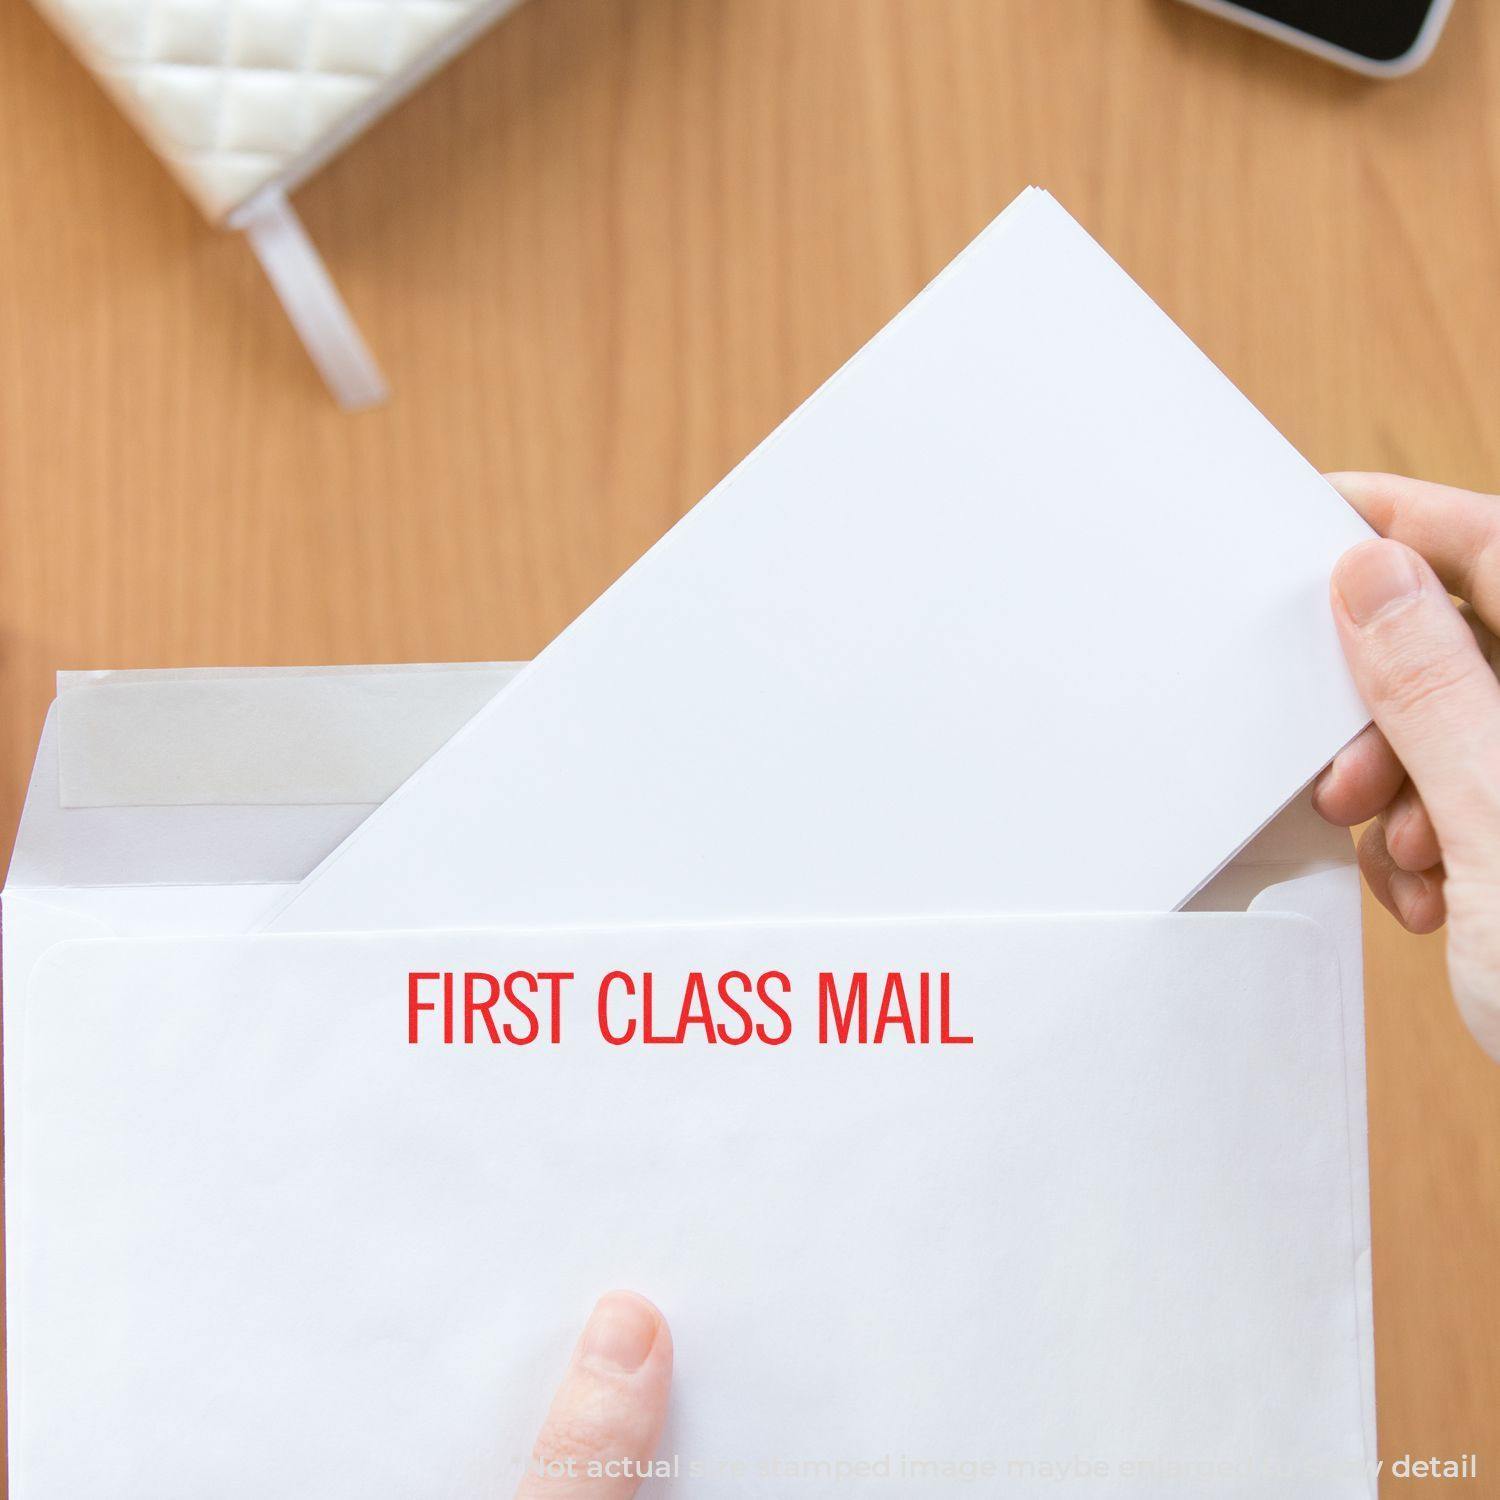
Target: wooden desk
(606, 250)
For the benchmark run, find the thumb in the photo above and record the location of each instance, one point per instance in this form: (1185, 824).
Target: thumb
(1429, 688)
(607, 1416)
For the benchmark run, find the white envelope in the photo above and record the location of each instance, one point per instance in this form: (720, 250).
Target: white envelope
(1157, 1190)
(271, 1248)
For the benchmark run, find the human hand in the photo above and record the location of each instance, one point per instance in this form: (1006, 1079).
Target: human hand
(1428, 769)
(607, 1416)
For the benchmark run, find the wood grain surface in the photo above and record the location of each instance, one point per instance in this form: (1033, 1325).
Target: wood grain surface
(607, 249)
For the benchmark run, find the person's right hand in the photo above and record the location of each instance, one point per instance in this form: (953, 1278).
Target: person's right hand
(1428, 769)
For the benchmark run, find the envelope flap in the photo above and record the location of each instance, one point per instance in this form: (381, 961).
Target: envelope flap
(227, 775)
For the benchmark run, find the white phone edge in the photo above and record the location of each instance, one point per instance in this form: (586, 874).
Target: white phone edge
(1409, 61)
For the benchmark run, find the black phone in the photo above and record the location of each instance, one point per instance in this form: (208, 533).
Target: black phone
(1372, 36)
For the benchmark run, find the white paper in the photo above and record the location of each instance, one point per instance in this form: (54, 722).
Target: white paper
(1025, 610)
(306, 1257)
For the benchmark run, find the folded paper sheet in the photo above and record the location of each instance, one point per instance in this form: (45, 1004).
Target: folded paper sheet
(1025, 610)
(306, 1256)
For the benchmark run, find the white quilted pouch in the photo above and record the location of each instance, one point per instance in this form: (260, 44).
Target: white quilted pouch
(244, 98)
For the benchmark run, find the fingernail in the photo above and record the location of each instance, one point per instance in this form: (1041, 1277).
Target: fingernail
(620, 1332)
(1407, 889)
(1373, 576)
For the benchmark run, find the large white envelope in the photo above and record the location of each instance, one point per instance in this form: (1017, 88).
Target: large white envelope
(1025, 610)
(156, 867)
(273, 1248)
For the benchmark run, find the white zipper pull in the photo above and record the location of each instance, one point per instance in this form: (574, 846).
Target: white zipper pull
(312, 301)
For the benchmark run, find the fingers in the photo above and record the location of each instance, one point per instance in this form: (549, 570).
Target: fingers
(1414, 898)
(1364, 777)
(607, 1416)
(1409, 834)
(1428, 687)
(1474, 960)
(1457, 531)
